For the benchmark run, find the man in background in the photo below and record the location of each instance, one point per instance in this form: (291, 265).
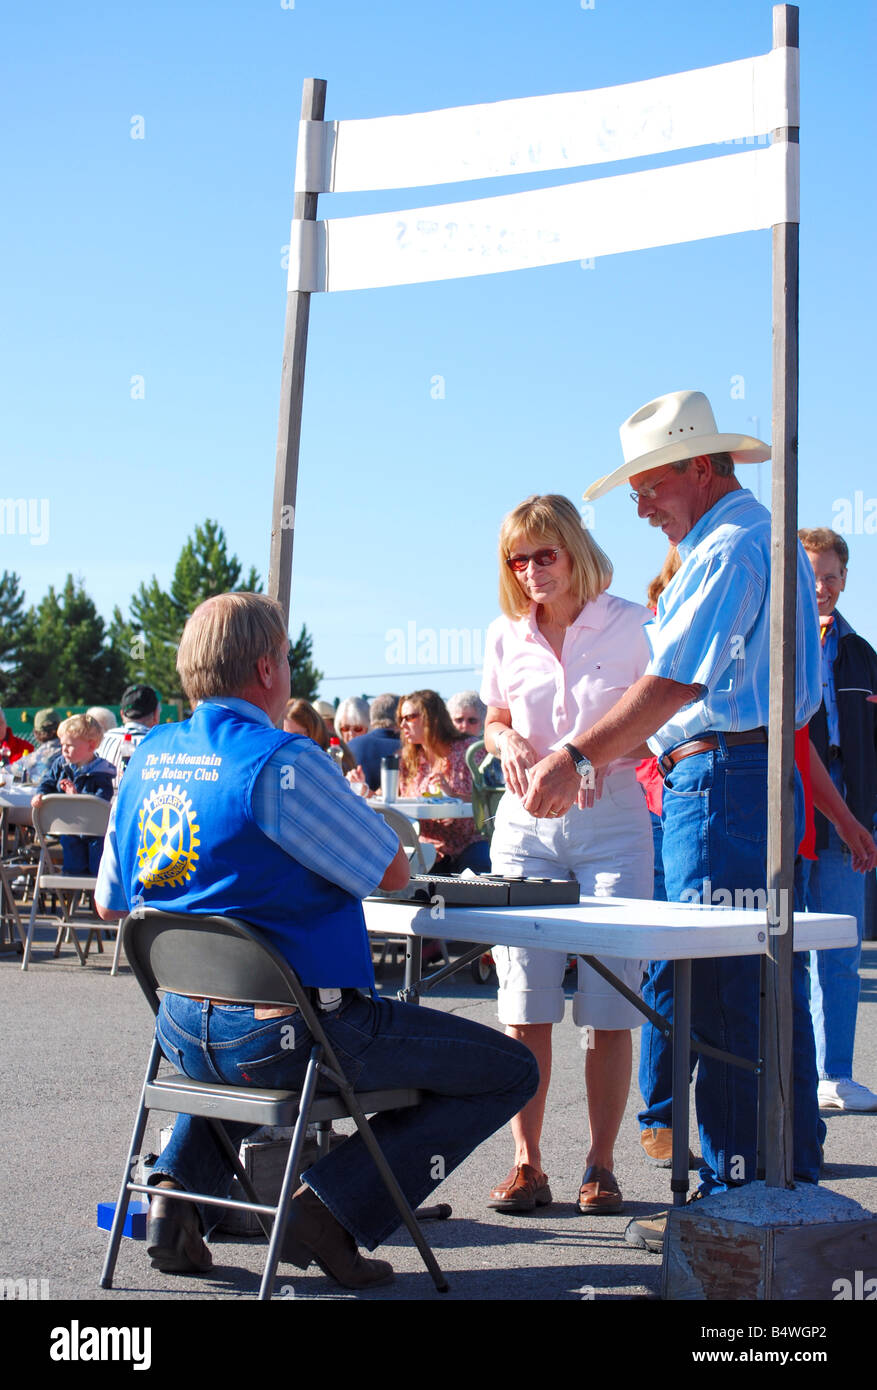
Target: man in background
(844, 733)
(140, 707)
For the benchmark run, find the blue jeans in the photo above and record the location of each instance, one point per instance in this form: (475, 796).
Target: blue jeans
(831, 884)
(715, 833)
(474, 1080)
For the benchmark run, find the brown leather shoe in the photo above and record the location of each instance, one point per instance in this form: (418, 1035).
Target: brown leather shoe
(312, 1233)
(657, 1145)
(599, 1194)
(523, 1189)
(173, 1235)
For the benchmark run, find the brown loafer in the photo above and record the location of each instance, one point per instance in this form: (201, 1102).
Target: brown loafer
(312, 1233)
(599, 1194)
(657, 1145)
(523, 1189)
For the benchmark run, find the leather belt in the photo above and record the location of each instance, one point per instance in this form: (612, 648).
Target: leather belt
(708, 743)
(325, 1001)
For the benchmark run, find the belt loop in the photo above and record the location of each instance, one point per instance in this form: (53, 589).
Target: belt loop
(722, 749)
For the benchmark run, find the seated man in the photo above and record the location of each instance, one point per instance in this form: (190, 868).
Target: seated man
(140, 707)
(283, 843)
(35, 765)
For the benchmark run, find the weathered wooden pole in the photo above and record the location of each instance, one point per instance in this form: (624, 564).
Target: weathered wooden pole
(292, 379)
(776, 1091)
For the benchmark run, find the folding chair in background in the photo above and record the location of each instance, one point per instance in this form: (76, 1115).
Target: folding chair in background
(59, 814)
(224, 958)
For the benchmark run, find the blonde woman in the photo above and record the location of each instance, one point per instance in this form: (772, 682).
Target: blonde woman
(562, 654)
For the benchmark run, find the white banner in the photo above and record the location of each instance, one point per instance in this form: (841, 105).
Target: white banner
(739, 100)
(601, 217)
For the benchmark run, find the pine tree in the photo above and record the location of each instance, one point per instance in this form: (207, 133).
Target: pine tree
(63, 657)
(11, 631)
(305, 678)
(204, 568)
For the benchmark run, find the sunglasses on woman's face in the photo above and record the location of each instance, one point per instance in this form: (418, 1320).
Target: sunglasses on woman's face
(542, 558)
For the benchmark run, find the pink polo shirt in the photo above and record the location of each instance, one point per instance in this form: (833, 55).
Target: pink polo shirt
(550, 701)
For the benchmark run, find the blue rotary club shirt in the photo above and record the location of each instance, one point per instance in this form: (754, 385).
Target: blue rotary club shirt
(200, 826)
(712, 626)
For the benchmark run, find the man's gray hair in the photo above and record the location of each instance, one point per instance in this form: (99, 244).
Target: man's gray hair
(723, 465)
(382, 711)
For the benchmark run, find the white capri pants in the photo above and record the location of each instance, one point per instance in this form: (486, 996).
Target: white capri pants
(609, 849)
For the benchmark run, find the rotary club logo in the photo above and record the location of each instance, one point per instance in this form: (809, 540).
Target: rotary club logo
(168, 838)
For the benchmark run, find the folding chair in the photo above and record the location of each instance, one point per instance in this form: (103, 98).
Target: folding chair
(59, 814)
(485, 798)
(421, 856)
(223, 958)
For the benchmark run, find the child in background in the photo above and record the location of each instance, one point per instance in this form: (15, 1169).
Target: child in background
(78, 771)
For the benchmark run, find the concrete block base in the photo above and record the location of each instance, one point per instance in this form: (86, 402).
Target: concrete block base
(759, 1243)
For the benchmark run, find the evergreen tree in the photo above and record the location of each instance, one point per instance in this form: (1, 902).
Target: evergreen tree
(305, 676)
(11, 631)
(204, 568)
(63, 659)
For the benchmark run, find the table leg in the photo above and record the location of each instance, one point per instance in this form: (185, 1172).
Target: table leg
(681, 1078)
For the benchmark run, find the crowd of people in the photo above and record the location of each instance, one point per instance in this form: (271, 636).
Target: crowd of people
(632, 741)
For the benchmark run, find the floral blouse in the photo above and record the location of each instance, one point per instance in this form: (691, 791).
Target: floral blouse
(450, 837)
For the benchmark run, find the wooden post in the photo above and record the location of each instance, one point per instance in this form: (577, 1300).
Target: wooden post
(295, 342)
(777, 1032)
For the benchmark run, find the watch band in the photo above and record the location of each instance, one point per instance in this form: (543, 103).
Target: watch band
(583, 765)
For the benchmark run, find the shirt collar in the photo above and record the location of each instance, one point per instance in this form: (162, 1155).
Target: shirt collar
(725, 510)
(592, 616)
(241, 707)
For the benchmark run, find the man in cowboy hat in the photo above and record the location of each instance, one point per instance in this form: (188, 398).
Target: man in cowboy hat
(703, 706)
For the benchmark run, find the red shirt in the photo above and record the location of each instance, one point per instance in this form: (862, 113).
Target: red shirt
(14, 747)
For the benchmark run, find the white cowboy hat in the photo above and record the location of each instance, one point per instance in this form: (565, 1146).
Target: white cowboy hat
(669, 429)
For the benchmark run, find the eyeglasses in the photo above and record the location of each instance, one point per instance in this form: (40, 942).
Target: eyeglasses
(409, 718)
(649, 492)
(467, 719)
(542, 558)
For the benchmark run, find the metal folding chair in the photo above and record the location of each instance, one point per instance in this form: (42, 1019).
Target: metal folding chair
(59, 814)
(485, 798)
(223, 958)
(422, 855)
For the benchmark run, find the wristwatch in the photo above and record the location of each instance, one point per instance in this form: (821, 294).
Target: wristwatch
(584, 766)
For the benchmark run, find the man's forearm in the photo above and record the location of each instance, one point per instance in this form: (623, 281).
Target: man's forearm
(642, 709)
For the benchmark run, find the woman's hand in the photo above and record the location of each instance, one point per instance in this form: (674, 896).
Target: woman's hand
(517, 755)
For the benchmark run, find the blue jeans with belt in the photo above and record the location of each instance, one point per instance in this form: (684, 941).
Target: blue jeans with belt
(715, 837)
(473, 1079)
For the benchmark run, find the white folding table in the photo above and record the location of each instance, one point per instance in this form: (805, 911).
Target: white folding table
(619, 927)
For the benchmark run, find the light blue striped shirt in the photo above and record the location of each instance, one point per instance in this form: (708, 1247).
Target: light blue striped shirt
(712, 626)
(325, 826)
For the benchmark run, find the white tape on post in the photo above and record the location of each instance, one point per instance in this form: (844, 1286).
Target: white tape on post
(731, 101)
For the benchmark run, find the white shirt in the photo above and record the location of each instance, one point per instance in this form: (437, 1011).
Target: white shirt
(552, 702)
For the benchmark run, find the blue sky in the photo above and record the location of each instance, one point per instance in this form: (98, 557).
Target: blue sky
(160, 258)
